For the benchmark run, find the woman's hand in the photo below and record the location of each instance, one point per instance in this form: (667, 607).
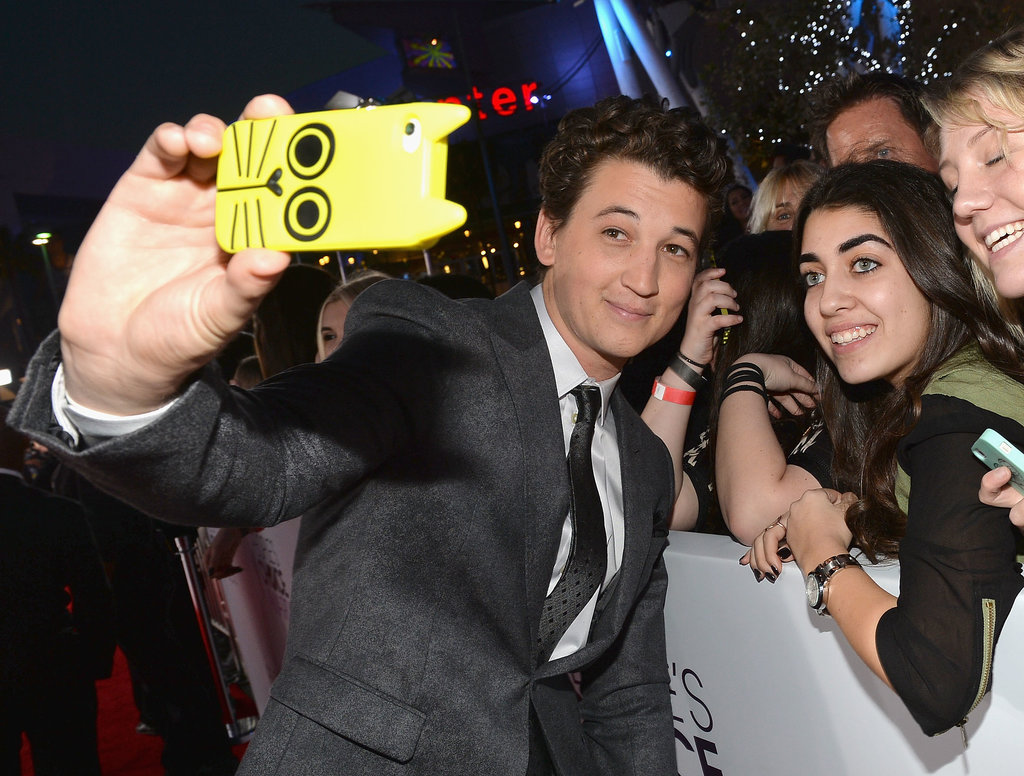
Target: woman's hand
(769, 551)
(817, 528)
(709, 295)
(813, 529)
(220, 554)
(996, 491)
(790, 385)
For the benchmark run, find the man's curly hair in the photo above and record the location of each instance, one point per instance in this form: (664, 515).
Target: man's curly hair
(674, 143)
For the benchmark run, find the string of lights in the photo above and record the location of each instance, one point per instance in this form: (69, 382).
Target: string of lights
(782, 52)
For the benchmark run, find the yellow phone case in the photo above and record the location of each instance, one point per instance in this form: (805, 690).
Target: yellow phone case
(353, 179)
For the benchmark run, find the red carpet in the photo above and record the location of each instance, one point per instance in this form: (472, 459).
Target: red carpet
(123, 752)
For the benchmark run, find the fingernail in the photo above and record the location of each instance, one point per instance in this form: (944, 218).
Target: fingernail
(785, 552)
(777, 572)
(770, 577)
(757, 574)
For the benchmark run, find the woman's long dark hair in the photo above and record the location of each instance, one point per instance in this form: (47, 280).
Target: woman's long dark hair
(866, 422)
(771, 300)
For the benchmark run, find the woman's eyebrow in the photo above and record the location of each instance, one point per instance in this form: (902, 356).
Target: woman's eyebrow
(860, 239)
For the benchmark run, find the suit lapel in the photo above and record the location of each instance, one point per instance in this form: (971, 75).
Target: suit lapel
(637, 521)
(617, 602)
(525, 363)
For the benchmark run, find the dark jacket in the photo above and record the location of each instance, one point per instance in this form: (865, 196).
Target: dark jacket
(426, 457)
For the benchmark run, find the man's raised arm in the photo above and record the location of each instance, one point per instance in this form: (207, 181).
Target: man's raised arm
(152, 297)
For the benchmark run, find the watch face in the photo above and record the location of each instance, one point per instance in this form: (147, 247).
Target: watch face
(813, 589)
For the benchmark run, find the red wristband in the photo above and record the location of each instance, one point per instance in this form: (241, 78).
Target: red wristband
(673, 395)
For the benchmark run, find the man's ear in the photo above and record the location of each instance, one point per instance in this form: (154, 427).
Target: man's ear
(544, 239)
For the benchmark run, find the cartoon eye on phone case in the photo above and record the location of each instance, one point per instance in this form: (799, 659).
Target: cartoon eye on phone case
(356, 179)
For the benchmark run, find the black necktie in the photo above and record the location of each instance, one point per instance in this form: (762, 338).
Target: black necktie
(588, 551)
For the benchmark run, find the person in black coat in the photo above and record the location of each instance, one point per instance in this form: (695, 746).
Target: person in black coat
(50, 653)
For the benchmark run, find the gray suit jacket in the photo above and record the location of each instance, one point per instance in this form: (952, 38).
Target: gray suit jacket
(427, 460)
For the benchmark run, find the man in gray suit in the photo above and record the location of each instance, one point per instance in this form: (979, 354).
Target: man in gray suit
(452, 569)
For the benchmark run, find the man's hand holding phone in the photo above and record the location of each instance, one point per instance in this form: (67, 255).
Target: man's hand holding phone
(152, 297)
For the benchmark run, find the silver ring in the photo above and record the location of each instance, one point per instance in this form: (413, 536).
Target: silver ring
(778, 522)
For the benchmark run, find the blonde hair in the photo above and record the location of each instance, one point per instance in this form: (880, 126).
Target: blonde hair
(346, 292)
(800, 173)
(353, 287)
(991, 76)
(985, 284)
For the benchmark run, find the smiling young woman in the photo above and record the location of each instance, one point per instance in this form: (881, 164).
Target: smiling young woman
(980, 120)
(869, 317)
(914, 365)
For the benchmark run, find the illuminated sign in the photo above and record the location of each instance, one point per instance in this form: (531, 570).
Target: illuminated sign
(503, 101)
(430, 54)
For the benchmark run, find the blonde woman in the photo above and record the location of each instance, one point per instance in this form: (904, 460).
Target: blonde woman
(980, 138)
(331, 325)
(777, 200)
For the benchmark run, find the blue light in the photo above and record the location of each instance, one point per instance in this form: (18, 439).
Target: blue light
(668, 52)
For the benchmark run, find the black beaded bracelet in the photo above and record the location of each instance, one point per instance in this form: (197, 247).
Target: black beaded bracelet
(681, 366)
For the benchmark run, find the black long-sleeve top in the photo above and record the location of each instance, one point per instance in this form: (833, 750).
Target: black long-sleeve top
(958, 571)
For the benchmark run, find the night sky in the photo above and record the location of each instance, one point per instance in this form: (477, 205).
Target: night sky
(105, 74)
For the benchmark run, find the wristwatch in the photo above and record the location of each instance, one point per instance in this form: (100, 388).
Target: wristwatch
(817, 580)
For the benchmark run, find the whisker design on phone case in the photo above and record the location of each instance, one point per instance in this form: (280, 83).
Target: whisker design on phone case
(355, 179)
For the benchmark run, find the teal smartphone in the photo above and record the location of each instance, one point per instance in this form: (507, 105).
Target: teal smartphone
(994, 450)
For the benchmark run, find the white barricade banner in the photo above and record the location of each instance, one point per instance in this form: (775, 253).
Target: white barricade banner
(763, 685)
(259, 601)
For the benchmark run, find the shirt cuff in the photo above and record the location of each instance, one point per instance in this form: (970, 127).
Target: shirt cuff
(82, 423)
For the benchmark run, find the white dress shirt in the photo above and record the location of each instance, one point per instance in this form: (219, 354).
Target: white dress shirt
(607, 471)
